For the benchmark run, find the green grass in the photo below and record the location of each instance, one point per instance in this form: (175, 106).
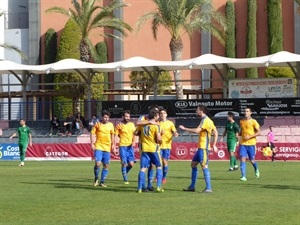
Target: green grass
(62, 193)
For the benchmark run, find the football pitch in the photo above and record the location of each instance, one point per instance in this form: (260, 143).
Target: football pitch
(62, 193)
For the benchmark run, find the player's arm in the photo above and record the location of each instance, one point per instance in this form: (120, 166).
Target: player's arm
(191, 130)
(224, 134)
(13, 135)
(215, 134)
(92, 138)
(158, 136)
(30, 139)
(113, 142)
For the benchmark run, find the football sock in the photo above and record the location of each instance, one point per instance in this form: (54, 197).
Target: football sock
(235, 163)
(124, 173)
(206, 175)
(96, 171)
(141, 180)
(165, 171)
(255, 166)
(22, 156)
(243, 169)
(150, 176)
(104, 174)
(159, 177)
(194, 177)
(128, 168)
(231, 161)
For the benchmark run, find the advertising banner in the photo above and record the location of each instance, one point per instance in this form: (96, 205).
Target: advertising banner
(216, 108)
(9, 152)
(261, 88)
(180, 151)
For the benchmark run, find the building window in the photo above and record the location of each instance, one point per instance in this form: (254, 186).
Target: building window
(16, 20)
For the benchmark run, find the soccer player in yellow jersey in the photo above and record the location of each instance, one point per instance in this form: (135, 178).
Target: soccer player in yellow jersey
(168, 130)
(205, 130)
(102, 145)
(125, 132)
(150, 140)
(250, 129)
(143, 121)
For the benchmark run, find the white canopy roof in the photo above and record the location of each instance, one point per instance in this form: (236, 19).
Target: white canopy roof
(207, 61)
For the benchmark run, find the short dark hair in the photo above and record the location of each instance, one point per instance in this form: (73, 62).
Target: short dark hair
(231, 114)
(153, 107)
(23, 119)
(162, 109)
(124, 112)
(152, 114)
(249, 109)
(106, 112)
(202, 108)
(95, 115)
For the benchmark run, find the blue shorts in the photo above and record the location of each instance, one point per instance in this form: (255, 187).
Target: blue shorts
(201, 156)
(102, 156)
(148, 158)
(165, 153)
(247, 150)
(126, 154)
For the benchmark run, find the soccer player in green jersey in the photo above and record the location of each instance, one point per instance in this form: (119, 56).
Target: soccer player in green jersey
(24, 135)
(232, 131)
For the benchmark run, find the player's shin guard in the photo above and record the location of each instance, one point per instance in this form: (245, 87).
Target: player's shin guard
(104, 175)
(159, 177)
(165, 171)
(206, 175)
(243, 168)
(128, 168)
(96, 171)
(124, 173)
(194, 177)
(141, 180)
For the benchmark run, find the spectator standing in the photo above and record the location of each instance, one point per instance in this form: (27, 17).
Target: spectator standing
(271, 139)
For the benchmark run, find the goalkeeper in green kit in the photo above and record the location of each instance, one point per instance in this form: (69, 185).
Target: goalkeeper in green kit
(24, 135)
(232, 131)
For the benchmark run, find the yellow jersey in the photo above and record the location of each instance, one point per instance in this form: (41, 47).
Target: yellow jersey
(103, 134)
(148, 138)
(125, 133)
(166, 139)
(207, 126)
(248, 127)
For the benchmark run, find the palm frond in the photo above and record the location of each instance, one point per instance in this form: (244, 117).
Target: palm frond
(58, 10)
(14, 48)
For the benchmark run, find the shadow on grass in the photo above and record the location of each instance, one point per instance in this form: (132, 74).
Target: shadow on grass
(274, 186)
(73, 184)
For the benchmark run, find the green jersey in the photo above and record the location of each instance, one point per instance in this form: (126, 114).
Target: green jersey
(23, 133)
(231, 130)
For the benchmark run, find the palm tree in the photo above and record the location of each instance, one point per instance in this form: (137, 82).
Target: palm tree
(182, 17)
(298, 2)
(88, 17)
(11, 47)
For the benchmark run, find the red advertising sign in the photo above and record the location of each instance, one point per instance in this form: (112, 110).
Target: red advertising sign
(180, 151)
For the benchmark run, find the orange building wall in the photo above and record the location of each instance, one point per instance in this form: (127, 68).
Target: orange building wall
(143, 44)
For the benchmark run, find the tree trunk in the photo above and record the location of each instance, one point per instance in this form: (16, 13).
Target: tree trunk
(176, 48)
(84, 52)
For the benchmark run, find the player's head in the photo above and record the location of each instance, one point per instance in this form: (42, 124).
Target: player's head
(230, 116)
(271, 128)
(22, 122)
(154, 114)
(248, 112)
(95, 116)
(201, 110)
(154, 107)
(163, 114)
(55, 117)
(126, 116)
(105, 116)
